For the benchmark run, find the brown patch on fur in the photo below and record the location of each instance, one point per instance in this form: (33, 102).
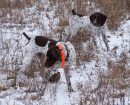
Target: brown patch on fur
(53, 55)
(98, 19)
(41, 41)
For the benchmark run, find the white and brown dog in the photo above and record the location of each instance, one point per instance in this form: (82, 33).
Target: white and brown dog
(57, 54)
(93, 24)
(65, 54)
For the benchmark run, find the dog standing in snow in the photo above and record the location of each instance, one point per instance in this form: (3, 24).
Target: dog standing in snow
(58, 54)
(94, 24)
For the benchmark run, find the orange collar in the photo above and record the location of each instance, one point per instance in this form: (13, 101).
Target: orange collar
(62, 55)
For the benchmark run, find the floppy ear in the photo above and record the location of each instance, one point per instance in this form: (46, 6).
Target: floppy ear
(92, 18)
(98, 19)
(103, 18)
(41, 41)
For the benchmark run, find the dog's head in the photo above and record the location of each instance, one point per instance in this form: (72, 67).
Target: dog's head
(98, 19)
(53, 55)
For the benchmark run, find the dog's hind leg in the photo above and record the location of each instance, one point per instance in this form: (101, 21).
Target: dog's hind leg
(105, 41)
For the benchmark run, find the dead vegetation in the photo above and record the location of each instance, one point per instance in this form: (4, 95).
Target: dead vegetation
(16, 4)
(84, 53)
(119, 73)
(116, 11)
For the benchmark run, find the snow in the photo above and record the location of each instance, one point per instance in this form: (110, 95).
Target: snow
(85, 75)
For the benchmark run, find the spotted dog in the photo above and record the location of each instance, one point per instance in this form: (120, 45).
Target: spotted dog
(55, 56)
(93, 24)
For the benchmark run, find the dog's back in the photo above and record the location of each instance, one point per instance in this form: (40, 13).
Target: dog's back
(72, 55)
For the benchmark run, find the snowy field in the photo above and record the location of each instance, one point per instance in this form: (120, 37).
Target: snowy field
(86, 79)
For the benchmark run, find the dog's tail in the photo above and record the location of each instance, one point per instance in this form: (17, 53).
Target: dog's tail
(74, 13)
(27, 37)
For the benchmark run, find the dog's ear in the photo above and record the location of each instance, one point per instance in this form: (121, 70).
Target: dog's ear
(53, 55)
(98, 19)
(74, 13)
(41, 41)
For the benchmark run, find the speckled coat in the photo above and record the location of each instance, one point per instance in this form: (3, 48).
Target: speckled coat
(42, 44)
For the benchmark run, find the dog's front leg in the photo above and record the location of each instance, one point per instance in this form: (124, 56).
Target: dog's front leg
(67, 75)
(105, 41)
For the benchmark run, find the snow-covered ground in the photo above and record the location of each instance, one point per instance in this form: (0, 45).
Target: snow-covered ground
(85, 78)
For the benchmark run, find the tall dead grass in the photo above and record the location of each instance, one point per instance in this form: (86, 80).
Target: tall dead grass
(16, 4)
(10, 10)
(119, 72)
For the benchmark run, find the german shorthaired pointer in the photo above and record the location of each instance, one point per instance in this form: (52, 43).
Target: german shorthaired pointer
(57, 53)
(94, 24)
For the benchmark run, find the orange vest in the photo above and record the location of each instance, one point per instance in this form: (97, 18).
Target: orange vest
(62, 55)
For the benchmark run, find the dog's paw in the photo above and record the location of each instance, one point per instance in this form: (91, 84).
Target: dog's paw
(71, 89)
(55, 77)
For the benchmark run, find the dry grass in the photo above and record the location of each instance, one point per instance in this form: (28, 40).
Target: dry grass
(118, 73)
(83, 54)
(10, 10)
(16, 4)
(115, 10)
